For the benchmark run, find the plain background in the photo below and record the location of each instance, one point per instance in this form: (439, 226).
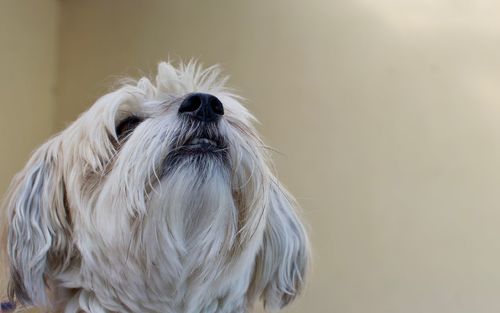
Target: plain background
(386, 115)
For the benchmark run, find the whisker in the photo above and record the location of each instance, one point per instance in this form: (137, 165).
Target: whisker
(273, 150)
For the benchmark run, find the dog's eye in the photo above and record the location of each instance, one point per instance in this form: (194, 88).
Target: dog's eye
(127, 126)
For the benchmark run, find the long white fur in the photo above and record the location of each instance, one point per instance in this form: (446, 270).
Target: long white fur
(95, 226)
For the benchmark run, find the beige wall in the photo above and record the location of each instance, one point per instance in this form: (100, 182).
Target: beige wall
(386, 113)
(28, 45)
(28, 33)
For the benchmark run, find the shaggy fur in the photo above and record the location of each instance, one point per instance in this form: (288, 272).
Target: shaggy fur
(99, 222)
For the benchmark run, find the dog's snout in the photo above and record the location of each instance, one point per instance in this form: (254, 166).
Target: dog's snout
(202, 106)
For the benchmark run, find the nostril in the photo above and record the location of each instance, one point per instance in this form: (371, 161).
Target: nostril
(190, 104)
(216, 106)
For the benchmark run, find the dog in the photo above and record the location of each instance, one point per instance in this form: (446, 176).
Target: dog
(160, 198)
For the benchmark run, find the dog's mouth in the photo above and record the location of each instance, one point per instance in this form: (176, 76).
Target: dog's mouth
(196, 144)
(201, 144)
(204, 142)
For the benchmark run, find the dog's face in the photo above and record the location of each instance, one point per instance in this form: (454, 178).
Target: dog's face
(160, 198)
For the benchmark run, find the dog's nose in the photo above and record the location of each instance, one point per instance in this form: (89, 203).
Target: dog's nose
(202, 106)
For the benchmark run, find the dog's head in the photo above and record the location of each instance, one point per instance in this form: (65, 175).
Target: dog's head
(160, 192)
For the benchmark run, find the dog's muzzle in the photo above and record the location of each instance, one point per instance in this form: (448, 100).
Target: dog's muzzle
(202, 112)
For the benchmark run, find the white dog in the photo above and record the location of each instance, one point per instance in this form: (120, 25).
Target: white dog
(160, 198)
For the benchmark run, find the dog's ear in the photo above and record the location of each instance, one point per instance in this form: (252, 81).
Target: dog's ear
(38, 225)
(282, 262)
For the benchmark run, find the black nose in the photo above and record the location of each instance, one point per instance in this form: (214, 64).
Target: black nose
(202, 106)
